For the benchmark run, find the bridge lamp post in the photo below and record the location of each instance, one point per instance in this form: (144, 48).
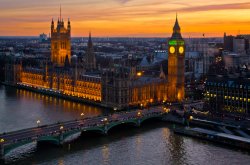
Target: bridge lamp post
(141, 106)
(38, 123)
(139, 114)
(105, 121)
(82, 114)
(61, 128)
(189, 119)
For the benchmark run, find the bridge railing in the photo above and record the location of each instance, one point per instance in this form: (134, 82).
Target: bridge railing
(9, 137)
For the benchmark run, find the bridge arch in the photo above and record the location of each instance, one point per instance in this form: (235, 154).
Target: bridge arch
(142, 120)
(97, 130)
(111, 126)
(10, 147)
(71, 133)
(54, 140)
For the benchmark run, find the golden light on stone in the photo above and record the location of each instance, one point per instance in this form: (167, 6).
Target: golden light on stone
(139, 73)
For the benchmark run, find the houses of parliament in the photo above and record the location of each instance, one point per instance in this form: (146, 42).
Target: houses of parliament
(117, 87)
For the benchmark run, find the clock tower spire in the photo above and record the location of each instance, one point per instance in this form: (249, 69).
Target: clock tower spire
(176, 69)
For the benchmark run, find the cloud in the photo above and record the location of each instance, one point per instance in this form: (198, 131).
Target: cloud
(123, 17)
(123, 1)
(231, 6)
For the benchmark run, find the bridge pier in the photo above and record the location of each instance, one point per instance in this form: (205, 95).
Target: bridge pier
(105, 130)
(1, 153)
(138, 123)
(61, 138)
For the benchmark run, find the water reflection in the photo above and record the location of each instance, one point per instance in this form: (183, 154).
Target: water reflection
(49, 101)
(177, 150)
(153, 143)
(61, 162)
(28, 107)
(105, 154)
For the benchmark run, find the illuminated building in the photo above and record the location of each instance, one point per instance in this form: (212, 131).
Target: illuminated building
(122, 89)
(176, 59)
(116, 87)
(228, 94)
(60, 42)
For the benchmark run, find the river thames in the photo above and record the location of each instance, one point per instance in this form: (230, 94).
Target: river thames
(152, 143)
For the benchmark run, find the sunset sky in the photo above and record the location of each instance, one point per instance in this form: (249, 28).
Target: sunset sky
(126, 18)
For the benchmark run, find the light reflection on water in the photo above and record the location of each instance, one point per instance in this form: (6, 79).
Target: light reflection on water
(153, 143)
(21, 109)
(148, 145)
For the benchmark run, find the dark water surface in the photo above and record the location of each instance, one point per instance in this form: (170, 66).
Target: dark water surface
(152, 144)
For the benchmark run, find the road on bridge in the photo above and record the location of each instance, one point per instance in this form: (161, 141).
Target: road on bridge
(57, 128)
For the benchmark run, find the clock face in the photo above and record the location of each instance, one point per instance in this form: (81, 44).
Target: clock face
(172, 49)
(181, 49)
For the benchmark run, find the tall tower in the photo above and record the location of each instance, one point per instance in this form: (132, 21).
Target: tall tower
(60, 42)
(90, 55)
(176, 59)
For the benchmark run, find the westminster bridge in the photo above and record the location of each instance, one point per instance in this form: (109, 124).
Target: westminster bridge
(58, 133)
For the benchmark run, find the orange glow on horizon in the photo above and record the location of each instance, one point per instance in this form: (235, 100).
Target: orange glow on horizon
(127, 18)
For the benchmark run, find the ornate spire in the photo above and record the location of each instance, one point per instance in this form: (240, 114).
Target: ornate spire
(68, 24)
(66, 62)
(52, 24)
(176, 25)
(162, 74)
(60, 12)
(90, 44)
(176, 29)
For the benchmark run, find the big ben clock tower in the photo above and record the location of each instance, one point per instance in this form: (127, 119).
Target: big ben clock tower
(176, 59)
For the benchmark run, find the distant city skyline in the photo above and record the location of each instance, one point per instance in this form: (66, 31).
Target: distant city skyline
(127, 18)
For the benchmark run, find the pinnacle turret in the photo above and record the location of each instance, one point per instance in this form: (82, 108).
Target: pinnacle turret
(90, 44)
(176, 30)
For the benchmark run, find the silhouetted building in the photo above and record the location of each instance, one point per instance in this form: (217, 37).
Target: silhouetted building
(90, 59)
(239, 45)
(228, 42)
(43, 37)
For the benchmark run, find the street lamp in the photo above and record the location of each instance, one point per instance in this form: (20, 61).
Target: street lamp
(82, 114)
(139, 114)
(105, 120)
(38, 123)
(189, 119)
(1, 140)
(141, 105)
(61, 128)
